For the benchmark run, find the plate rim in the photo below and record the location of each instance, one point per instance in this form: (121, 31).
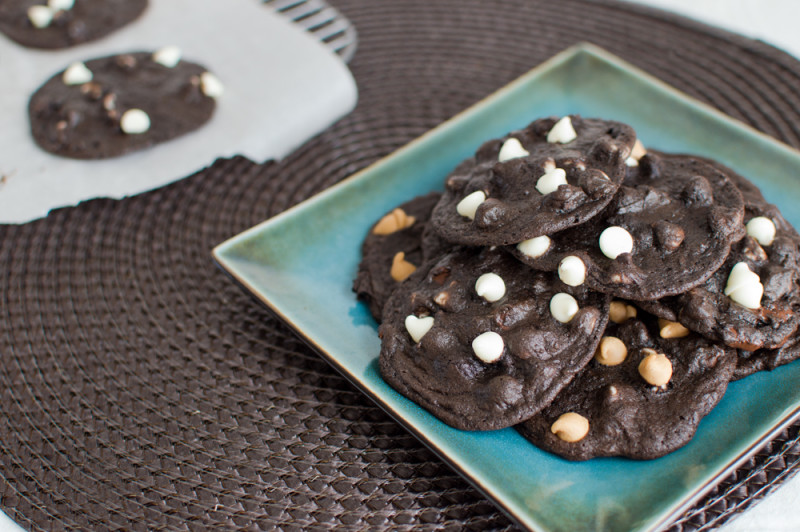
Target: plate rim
(573, 52)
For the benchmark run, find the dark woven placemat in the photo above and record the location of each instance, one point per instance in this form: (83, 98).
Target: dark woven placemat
(142, 390)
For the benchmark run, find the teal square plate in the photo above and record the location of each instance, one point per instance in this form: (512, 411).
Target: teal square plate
(301, 264)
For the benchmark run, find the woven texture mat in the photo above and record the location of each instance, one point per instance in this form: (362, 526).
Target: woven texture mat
(142, 390)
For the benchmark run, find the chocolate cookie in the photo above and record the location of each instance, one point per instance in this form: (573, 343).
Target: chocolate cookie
(482, 341)
(552, 175)
(753, 301)
(119, 104)
(392, 251)
(767, 359)
(641, 397)
(57, 24)
(670, 226)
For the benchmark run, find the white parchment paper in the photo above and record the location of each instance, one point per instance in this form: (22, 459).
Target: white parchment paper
(281, 88)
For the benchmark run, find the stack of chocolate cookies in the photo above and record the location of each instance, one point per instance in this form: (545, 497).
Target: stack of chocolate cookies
(597, 296)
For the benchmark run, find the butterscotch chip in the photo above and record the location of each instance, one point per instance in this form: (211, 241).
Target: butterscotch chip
(401, 268)
(655, 368)
(570, 427)
(375, 281)
(392, 222)
(671, 329)
(619, 312)
(611, 351)
(639, 150)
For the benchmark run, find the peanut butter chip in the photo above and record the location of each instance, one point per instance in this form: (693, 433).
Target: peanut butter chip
(401, 268)
(672, 329)
(611, 351)
(655, 368)
(570, 427)
(620, 312)
(393, 222)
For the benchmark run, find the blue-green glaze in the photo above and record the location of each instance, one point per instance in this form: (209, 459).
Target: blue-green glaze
(302, 263)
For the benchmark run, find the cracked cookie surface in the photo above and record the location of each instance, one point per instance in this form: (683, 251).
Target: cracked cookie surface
(668, 229)
(529, 183)
(536, 333)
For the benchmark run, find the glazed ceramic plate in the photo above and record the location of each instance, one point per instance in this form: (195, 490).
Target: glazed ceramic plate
(301, 264)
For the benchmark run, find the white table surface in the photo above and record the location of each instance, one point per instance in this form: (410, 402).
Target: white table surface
(773, 21)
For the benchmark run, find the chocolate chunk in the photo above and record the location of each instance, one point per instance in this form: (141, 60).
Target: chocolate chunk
(87, 20)
(542, 188)
(532, 354)
(627, 415)
(681, 224)
(374, 282)
(87, 119)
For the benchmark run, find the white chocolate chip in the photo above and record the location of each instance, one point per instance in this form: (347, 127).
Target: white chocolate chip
(563, 307)
(551, 180)
(490, 287)
(562, 132)
(169, 56)
(570, 427)
(614, 241)
(655, 368)
(77, 74)
(762, 229)
(60, 5)
(40, 16)
(572, 271)
(211, 85)
(534, 247)
(134, 122)
(418, 327)
(744, 286)
(488, 347)
(467, 206)
(512, 149)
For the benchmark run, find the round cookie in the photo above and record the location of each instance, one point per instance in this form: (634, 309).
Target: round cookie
(61, 24)
(552, 175)
(485, 362)
(668, 229)
(709, 310)
(612, 410)
(119, 104)
(392, 250)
